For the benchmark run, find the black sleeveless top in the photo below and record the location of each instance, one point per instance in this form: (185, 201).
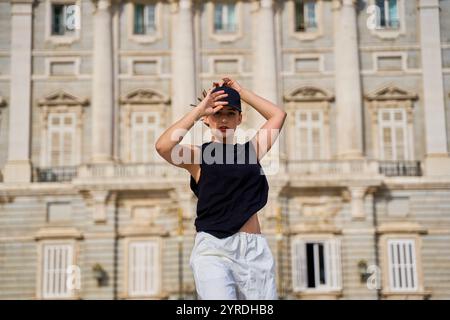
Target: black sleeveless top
(232, 187)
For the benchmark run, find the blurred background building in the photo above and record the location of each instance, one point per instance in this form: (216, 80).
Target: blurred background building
(360, 205)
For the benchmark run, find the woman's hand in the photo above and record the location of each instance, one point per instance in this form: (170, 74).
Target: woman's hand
(211, 104)
(228, 82)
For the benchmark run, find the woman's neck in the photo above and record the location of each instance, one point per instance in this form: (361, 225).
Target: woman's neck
(230, 140)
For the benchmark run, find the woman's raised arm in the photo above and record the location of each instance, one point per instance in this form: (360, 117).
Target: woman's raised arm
(173, 135)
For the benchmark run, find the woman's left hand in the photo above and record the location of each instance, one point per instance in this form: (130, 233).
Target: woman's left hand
(228, 82)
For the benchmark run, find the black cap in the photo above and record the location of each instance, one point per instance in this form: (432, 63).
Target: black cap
(233, 98)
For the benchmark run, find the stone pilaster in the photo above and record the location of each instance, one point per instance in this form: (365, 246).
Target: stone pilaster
(437, 160)
(102, 85)
(357, 202)
(264, 59)
(18, 166)
(183, 62)
(101, 201)
(347, 81)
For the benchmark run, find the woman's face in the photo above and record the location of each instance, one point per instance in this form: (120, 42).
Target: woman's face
(224, 122)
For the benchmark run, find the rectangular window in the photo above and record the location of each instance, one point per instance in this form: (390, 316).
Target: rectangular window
(143, 270)
(316, 264)
(388, 14)
(144, 18)
(305, 15)
(393, 134)
(225, 18)
(63, 19)
(144, 129)
(402, 265)
(61, 139)
(56, 260)
(309, 135)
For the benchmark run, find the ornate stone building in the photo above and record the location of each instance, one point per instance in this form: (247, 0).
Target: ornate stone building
(359, 206)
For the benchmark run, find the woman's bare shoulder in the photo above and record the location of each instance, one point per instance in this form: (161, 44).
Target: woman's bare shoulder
(193, 164)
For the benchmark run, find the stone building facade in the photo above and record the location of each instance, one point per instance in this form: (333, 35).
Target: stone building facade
(359, 206)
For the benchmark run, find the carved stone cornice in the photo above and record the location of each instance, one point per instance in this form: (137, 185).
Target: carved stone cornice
(61, 97)
(314, 228)
(390, 92)
(143, 231)
(145, 96)
(58, 233)
(401, 227)
(308, 94)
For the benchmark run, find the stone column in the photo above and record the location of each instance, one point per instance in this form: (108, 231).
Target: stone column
(347, 81)
(18, 165)
(265, 77)
(102, 85)
(264, 59)
(437, 161)
(183, 63)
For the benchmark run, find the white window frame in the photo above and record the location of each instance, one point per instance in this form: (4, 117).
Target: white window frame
(309, 126)
(225, 14)
(145, 38)
(227, 36)
(399, 270)
(386, 12)
(393, 125)
(61, 39)
(391, 97)
(308, 98)
(400, 231)
(141, 100)
(61, 131)
(333, 264)
(156, 264)
(306, 12)
(305, 35)
(61, 102)
(146, 20)
(145, 128)
(42, 277)
(388, 33)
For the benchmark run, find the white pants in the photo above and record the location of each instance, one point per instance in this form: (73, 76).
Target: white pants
(237, 267)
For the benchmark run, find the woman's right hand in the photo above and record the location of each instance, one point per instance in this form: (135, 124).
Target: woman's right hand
(211, 104)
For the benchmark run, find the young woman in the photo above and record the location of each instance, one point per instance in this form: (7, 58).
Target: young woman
(231, 259)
